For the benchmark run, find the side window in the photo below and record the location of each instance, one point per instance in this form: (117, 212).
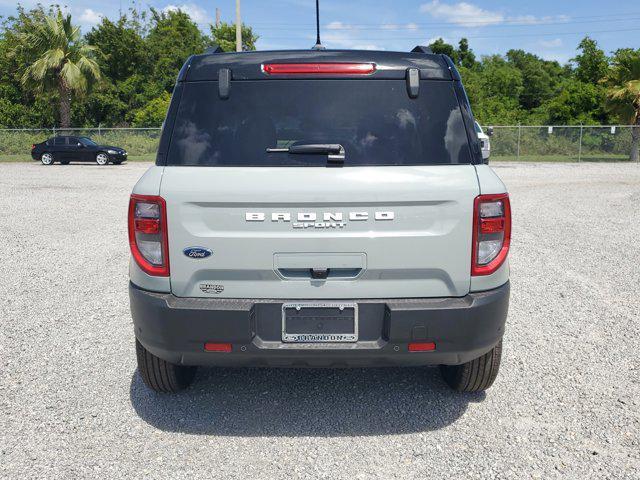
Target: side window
(59, 141)
(73, 141)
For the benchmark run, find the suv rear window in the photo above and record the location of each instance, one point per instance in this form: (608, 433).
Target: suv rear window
(374, 120)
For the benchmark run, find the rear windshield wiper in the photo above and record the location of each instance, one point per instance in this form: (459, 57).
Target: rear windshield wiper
(334, 151)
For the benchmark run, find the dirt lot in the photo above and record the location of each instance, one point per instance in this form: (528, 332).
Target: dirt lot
(566, 403)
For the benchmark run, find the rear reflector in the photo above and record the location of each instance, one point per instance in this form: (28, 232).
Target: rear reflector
(217, 347)
(491, 225)
(149, 226)
(422, 346)
(319, 68)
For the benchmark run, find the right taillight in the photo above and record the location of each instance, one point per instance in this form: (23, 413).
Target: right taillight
(148, 234)
(491, 233)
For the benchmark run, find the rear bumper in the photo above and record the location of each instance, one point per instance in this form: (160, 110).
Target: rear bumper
(175, 329)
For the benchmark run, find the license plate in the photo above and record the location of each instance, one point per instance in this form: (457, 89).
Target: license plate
(319, 322)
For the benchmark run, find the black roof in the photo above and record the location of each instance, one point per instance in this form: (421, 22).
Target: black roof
(248, 65)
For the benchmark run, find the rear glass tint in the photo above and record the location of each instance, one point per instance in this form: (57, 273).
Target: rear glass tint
(374, 120)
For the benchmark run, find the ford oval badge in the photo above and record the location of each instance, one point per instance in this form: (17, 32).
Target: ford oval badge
(197, 252)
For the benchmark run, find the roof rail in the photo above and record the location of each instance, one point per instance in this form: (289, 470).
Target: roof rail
(421, 49)
(213, 49)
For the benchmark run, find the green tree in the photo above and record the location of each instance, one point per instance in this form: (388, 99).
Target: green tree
(441, 47)
(494, 87)
(20, 107)
(538, 83)
(592, 63)
(466, 57)
(153, 113)
(225, 37)
(124, 48)
(64, 62)
(501, 79)
(623, 92)
(576, 103)
(173, 37)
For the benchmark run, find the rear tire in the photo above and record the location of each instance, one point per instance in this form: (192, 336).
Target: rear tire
(47, 158)
(160, 375)
(476, 375)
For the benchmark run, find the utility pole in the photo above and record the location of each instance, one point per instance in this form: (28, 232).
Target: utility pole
(217, 17)
(238, 28)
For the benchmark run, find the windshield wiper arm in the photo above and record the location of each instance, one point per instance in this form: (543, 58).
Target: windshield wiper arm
(334, 151)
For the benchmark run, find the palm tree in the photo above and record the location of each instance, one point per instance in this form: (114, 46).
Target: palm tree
(623, 93)
(65, 62)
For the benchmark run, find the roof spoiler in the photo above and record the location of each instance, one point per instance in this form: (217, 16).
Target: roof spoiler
(213, 49)
(421, 49)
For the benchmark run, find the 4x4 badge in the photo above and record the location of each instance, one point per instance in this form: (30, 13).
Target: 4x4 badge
(197, 252)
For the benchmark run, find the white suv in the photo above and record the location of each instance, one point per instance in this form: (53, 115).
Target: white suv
(319, 209)
(485, 143)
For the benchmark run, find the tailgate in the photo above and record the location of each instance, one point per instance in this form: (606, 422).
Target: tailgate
(307, 232)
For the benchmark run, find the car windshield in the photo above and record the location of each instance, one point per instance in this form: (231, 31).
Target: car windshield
(478, 128)
(87, 142)
(375, 121)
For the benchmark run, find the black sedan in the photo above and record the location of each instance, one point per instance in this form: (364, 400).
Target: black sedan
(78, 149)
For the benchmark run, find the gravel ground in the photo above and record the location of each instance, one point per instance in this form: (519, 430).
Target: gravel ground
(566, 402)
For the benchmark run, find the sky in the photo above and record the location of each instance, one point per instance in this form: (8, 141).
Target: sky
(551, 29)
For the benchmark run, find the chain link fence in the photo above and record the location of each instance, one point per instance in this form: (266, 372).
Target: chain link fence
(612, 143)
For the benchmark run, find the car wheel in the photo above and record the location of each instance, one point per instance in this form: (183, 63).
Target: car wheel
(102, 158)
(476, 375)
(160, 375)
(47, 158)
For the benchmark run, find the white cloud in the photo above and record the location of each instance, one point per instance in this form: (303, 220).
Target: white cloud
(198, 14)
(339, 26)
(462, 12)
(367, 46)
(346, 39)
(533, 20)
(339, 39)
(395, 26)
(90, 17)
(555, 43)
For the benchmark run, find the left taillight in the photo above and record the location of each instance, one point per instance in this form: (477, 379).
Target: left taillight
(148, 237)
(491, 233)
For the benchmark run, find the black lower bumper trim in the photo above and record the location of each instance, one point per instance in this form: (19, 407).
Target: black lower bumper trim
(176, 330)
